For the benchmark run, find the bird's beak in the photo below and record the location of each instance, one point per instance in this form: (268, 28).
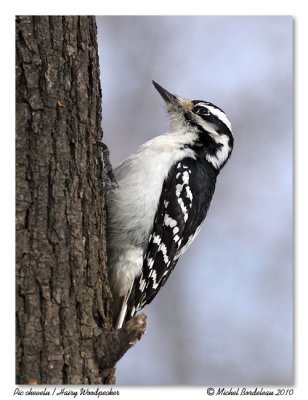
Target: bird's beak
(169, 98)
(172, 101)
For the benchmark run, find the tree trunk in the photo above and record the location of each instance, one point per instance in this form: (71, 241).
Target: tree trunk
(62, 294)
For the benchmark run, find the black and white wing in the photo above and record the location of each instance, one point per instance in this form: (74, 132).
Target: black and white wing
(183, 205)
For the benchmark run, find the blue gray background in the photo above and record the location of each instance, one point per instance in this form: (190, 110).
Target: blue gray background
(225, 316)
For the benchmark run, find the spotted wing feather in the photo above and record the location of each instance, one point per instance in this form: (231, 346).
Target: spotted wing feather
(183, 205)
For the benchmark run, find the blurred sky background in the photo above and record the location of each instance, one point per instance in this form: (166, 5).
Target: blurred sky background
(225, 316)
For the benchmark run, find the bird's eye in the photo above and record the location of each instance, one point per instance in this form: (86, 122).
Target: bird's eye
(202, 111)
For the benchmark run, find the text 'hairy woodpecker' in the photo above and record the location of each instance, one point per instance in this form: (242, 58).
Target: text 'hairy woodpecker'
(163, 195)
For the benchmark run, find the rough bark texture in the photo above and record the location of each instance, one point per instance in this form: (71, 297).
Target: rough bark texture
(62, 294)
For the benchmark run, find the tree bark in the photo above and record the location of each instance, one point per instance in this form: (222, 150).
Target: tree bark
(62, 292)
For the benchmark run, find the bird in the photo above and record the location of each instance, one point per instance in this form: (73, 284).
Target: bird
(162, 197)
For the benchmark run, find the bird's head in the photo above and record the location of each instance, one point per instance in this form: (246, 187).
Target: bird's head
(212, 128)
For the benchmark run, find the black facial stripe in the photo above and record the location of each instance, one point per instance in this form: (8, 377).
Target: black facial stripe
(220, 126)
(204, 138)
(206, 115)
(207, 103)
(212, 119)
(202, 111)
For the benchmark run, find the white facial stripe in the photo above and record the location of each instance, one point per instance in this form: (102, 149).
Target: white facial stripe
(222, 154)
(219, 114)
(208, 127)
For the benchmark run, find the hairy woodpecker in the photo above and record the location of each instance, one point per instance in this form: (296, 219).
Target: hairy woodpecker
(163, 195)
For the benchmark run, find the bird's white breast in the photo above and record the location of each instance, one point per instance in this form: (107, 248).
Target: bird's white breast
(132, 206)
